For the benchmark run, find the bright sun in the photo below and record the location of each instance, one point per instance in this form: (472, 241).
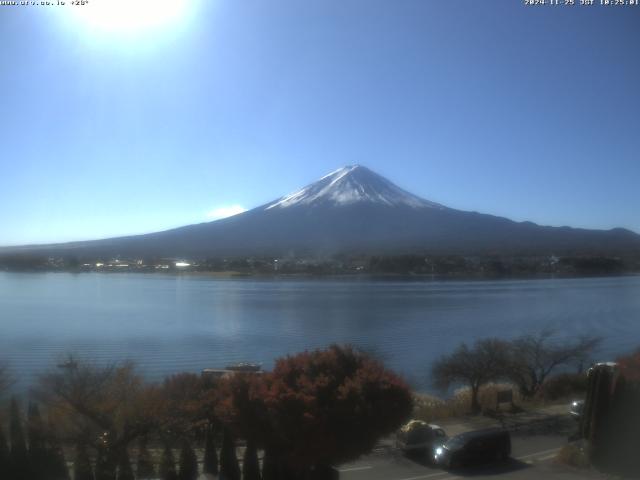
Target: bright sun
(129, 16)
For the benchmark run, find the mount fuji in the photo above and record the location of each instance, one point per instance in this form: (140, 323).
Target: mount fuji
(354, 210)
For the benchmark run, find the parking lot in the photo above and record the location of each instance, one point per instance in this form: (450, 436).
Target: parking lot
(532, 458)
(534, 448)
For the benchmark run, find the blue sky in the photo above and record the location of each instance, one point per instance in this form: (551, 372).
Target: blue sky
(526, 112)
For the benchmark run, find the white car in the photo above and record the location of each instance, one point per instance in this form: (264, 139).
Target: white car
(418, 437)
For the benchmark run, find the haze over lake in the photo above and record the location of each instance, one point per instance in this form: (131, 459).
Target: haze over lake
(172, 323)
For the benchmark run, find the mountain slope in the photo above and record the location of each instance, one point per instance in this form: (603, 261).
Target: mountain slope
(356, 210)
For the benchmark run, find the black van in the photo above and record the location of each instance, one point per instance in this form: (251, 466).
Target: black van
(469, 448)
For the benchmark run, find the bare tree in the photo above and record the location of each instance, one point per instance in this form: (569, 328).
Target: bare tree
(103, 407)
(472, 366)
(535, 356)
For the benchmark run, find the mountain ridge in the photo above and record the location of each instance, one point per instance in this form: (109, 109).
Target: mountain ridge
(356, 210)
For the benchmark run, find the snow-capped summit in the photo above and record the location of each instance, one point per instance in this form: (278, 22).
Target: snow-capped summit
(349, 185)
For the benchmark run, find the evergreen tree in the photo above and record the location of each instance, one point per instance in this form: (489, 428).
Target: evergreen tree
(106, 467)
(210, 454)
(229, 468)
(4, 455)
(145, 468)
(82, 469)
(55, 461)
(168, 465)
(188, 463)
(37, 444)
(269, 466)
(19, 457)
(124, 466)
(59, 465)
(250, 465)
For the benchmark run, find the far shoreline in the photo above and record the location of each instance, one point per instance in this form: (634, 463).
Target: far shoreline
(418, 277)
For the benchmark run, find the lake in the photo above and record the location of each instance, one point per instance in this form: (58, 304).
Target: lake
(169, 323)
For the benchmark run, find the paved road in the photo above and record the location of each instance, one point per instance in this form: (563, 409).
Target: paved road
(532, 459)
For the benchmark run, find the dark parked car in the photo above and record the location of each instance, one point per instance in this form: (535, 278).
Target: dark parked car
(469, 448)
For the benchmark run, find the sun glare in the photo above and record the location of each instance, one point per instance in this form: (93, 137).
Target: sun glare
(129, 16)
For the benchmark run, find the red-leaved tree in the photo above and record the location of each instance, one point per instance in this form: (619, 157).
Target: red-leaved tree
(188, 404)
(318, 408)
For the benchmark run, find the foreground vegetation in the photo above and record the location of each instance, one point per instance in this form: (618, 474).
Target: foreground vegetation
(314, 410)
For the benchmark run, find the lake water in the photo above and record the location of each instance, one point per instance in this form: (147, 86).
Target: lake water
(177, 323)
